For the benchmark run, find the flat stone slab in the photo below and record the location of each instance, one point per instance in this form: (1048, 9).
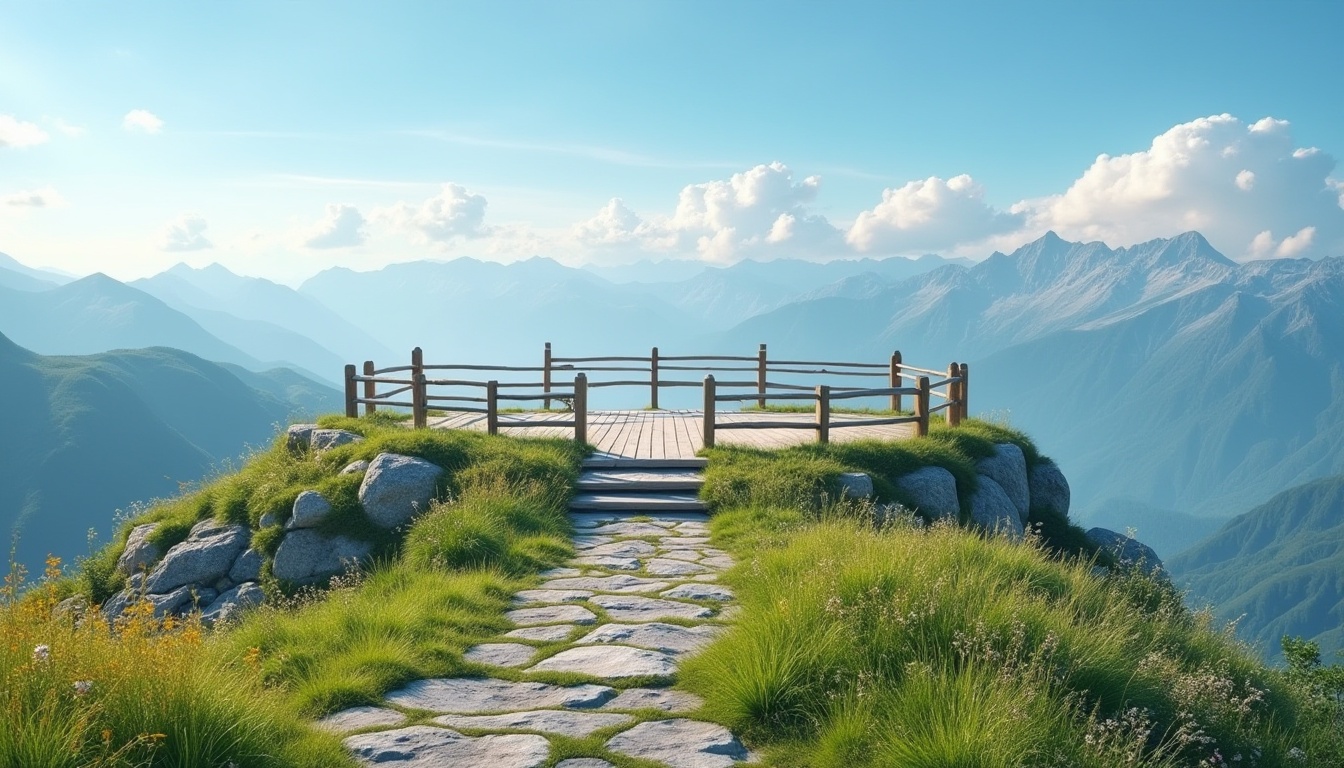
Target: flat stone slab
(633, 529)
(356, 718)
(689, 555)
(658, 636)
(659, 566)
(500, 654)
(564, 723)
(680, 743)
(663, 699)
(551, 596)
(609, 562)
(560, 573)
(700, 591)
(549, 633)
(693, 529)
(618, 583)
(423, 746)
(632, 608)
(471, 695)
(631, 548)
(611, 662)
(591, 542)
(584, 762)
(551, 614)
(688, 541)
(721, 561)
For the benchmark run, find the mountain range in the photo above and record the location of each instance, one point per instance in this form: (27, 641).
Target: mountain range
(84, 436)
(1276, 570)
(1175, 387)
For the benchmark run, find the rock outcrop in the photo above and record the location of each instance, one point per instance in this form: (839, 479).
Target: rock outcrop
(307, 557)
(204, 558)
(397, 488)
(1049, 488)
(1007, 468)
(993, 509)
(139, 552)
(934, 492)
(1130, 552)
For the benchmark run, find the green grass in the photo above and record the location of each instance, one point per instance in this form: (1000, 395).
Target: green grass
(931, 646)
(270, 480)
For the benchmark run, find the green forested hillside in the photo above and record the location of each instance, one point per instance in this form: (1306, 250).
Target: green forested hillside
(85, 436)
(1280, 567)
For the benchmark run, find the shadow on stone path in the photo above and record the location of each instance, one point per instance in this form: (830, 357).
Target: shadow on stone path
(641, 594)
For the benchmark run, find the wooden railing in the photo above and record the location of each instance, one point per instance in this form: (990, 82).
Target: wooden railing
(757, 374)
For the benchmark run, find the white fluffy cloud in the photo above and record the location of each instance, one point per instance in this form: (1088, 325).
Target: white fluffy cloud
(1236, 183)
(46, 197)
(16, 133)
(142, 121)
(929, 215)
(342, 227)
(761, 213)
(452, 214)
(186, 233)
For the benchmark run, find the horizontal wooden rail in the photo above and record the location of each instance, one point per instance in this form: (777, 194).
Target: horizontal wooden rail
(950, 387)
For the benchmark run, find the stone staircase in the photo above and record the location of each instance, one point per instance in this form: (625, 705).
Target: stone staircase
(639, 486)
(641, 593)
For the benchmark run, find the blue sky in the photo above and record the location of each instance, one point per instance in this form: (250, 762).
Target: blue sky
(283, 138)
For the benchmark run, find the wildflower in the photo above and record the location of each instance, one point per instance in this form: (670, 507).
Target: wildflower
(42, 653)
(83, 686)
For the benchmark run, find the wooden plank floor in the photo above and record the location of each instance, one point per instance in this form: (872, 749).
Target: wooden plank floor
(671, 434)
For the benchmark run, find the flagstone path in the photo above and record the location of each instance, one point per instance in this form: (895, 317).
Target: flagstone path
(640, 595)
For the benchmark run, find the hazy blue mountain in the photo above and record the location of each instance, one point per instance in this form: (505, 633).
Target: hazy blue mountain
(85, 436)
(725, 296)
(472, 311)
(96, 314)
(662, 271)
(321, 334)
(1279, 568)
(1168, 531)
(9, 264)
(965, 313)
(1207, 403)
(21, 281)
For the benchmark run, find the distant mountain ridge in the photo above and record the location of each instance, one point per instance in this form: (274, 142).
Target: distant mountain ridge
(1278, 569)
(87, 435)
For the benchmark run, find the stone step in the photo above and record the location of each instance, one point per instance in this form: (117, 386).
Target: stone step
(661, 501)
(617, 480)
(605, 461)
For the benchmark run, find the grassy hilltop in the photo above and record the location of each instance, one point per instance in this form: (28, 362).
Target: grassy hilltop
(864, 637)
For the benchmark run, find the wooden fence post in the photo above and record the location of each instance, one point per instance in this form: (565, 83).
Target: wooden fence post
(922, 407)
(953, 414)
(370, 388)
(417, 363)
(823, 413)
(965, 391)
(492, 407)
(709, 410)
(419, 405)
(581, 408)
(351, 393)
(895, 379)
(760, 376)
(653, 379)
(546, 375)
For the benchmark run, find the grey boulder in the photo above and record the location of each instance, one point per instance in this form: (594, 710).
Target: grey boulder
(299, 436)
(139, 552)
(1008, 468)
(680, 743)
(1129, 551)
(934, 492)
(310, 509)
(355, 467)
(307, 557)
(993, 510)
(396, 488)
(247, 567)
(204, 558)
(232, 603)
(854, 485)
(326, 439)
(424, 746)
(1049, 488)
